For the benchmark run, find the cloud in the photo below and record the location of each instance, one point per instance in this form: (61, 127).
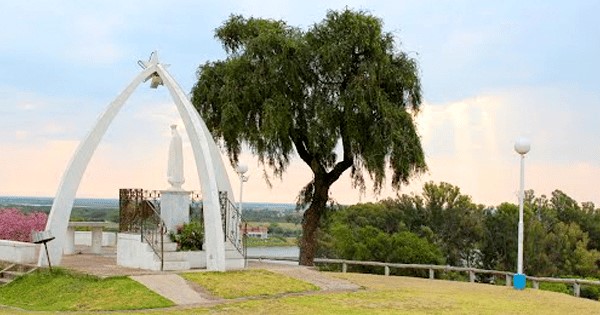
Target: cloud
(490, 76)
(33, 170)
(469, 143)
(94, 38)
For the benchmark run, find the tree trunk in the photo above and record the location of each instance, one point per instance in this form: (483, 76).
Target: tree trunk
(310, 223)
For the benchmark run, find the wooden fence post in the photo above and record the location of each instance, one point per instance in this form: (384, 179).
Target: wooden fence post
(431, 274)
(471, 276)
(387, 270)
(576, 289)
(536, 284)
(344, 267)
(509, 280)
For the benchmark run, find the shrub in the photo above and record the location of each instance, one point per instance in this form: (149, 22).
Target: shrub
(189, 236)
(17, 226)
(590, 292)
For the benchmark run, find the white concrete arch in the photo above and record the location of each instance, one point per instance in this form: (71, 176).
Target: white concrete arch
(211, 170)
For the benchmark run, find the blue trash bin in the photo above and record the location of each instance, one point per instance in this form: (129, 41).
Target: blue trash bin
(519, 281)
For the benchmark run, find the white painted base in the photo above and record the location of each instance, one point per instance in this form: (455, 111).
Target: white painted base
(85, 238)
(18, 252)
(174, 208)
(233, 259)
(196, 259)
(133, 253)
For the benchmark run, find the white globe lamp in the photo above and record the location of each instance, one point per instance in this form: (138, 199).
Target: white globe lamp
(241, 169)
(522, 146)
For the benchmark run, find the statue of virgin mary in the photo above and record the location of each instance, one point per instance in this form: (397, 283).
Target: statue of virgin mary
(175, 164)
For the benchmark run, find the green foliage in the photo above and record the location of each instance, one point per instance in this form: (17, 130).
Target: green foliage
(77, 213)
(443, 216)
(189, 236)
(555, 287)
(499, 247)
(371, 232)
(282, 230)
(343, 79)
(65, 291)
(266, 215)
(556, 240)
(272, 241)
(591, 292)
(284, 91)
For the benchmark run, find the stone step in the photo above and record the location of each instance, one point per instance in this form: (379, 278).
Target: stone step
(233, 254)
(172, 265)
(234, 263)
(167, 247)
(22, 268)
(229, 246)
(4, 281)
(174, 256)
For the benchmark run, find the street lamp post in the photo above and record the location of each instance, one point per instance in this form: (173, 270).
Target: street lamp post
(241, 169)
(522, 146)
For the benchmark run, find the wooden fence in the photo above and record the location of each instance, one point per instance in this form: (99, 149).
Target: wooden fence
(472, 272)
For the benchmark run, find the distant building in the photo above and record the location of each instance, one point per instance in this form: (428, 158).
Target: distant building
(256, 231)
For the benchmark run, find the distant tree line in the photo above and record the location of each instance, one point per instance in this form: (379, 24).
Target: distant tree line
(77, 214)
(265, 215)
(444, 226)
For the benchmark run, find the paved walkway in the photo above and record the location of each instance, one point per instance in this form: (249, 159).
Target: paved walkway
(103, 265)
(172, 287)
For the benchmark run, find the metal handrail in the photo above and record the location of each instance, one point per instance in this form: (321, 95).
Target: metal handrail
(151, 236)
(140, 209)
(234, 226)
(139, 206)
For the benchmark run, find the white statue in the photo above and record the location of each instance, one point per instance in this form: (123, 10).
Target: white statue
(175, 170)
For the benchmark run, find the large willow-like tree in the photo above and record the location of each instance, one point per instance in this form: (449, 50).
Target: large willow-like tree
(340, 95)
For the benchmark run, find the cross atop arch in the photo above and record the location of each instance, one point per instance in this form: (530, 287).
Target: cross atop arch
(211, 170)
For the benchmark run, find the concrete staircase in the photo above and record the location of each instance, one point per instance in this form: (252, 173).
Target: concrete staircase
(13, 271)
(134, 253)
(233, 258)
(172, 259)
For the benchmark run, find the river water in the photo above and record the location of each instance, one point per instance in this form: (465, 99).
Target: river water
(277, 251)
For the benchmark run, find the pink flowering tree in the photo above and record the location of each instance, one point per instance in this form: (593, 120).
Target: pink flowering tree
(17, 226)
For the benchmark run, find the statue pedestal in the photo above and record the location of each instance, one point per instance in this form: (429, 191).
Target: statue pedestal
(174, 208)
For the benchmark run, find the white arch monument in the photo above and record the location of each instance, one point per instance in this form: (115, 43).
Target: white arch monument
(210, 167)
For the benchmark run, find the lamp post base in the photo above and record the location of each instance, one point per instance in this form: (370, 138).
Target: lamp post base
(519, 281)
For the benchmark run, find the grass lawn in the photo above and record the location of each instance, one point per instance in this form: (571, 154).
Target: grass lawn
(271, 241)
(387, 295)
(66, 291)
(247, 283)
(404, 295)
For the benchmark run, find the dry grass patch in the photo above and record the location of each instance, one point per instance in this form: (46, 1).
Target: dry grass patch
(451, 297)
(247, 283)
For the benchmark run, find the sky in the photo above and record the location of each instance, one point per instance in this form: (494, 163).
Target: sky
(492, 71)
